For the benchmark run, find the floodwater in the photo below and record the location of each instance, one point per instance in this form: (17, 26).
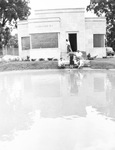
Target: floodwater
(57, 110)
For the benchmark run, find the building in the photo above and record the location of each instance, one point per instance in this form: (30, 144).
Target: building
(45, 34)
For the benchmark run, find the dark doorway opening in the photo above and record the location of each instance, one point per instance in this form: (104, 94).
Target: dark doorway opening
(73, 41)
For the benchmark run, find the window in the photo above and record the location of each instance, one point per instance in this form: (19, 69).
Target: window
(25, 43)
(44, 40)
(98, 40)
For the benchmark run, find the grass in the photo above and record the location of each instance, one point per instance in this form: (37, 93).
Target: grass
(107, 63)
(28, 65)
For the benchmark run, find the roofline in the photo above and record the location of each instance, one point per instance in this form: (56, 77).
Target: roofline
(61, 10)
(95, 19)
(36, 20)
(22, 22)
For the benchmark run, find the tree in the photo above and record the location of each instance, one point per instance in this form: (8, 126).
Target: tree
(5, 35)
(13, 41)
(105, 8)
(10, 12)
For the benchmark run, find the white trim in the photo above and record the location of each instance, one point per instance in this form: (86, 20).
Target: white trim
(95, 19)
(30, 42)
(21, 42)
(22, 22)
(48, 19)
(73, 32)
(65, 10)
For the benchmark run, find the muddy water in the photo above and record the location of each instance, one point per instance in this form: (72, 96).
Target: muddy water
(57, 110)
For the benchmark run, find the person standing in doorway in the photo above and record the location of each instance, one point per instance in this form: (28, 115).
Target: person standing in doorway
(68, 46)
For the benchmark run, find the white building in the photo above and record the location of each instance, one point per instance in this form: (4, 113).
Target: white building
(44, 35)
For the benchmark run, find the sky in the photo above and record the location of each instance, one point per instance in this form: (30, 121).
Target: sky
(53, 4)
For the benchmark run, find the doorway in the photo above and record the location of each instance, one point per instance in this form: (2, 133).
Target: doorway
(73, 41)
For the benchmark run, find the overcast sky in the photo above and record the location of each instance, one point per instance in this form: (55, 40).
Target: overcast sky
(52, 4)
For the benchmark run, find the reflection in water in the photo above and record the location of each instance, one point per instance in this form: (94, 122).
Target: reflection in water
(75, 80)
(66, 104)
(99, 84)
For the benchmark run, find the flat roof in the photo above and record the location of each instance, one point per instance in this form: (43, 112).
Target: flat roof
(61, 10)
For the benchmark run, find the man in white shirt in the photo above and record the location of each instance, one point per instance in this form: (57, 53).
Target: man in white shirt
(68, 46)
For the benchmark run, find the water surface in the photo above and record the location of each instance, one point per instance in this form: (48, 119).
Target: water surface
(57, 110)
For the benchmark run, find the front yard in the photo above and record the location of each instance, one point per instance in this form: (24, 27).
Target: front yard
(28, 65)
(105, 63)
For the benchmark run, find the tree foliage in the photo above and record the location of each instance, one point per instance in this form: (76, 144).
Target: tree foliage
(13, 41)
(105, 8)
(5, 35)
(10, 12)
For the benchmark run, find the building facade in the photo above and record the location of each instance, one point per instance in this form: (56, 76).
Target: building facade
(45, 34)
